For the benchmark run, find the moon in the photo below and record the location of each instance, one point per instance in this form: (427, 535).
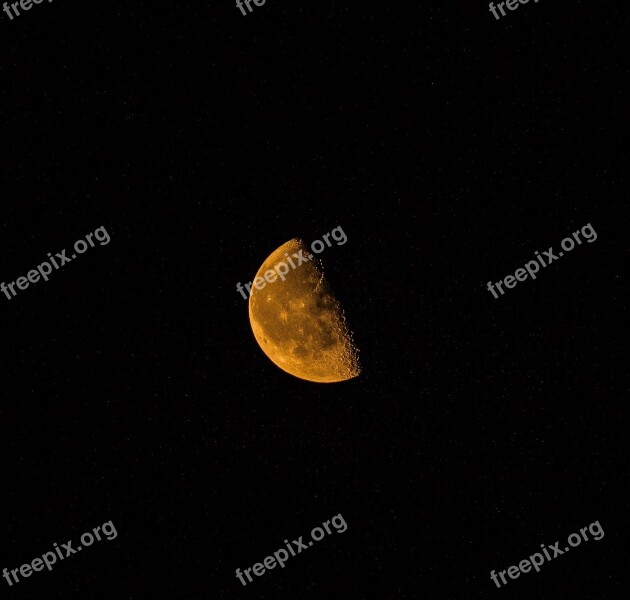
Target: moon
(297, 321)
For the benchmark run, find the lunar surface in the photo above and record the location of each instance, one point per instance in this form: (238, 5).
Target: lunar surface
(298, 323)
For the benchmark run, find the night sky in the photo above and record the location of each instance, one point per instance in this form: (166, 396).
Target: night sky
(450, 147)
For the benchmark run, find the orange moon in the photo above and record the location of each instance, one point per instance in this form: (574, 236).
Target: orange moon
(298, 323)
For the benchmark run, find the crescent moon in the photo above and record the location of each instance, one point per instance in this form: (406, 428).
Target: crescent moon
(297, 321)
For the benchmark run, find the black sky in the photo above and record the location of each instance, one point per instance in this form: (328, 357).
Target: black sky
(449, 147)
